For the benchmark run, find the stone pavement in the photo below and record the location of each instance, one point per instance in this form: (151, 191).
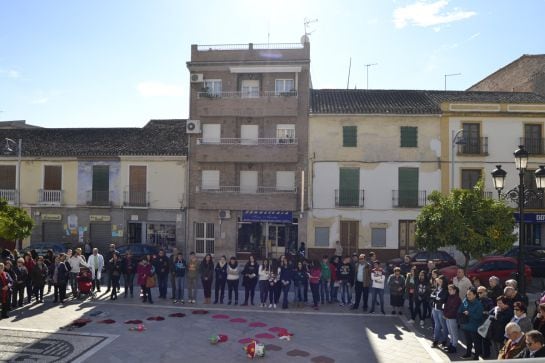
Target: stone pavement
(332, 334)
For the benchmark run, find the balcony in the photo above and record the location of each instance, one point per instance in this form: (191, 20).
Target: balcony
(473, 146)
(349, 198)
(409, 198)
(50, 197)
(259, 150)
(98, 198)
(534, 145)
(136, 199)
(248, 104)
(246, 197)
(9, 195)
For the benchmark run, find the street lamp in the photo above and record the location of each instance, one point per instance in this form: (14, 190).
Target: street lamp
(457, 139)
(520, 195)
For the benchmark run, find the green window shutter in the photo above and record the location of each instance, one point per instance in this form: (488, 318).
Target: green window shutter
(409, 136)
(349, 185)
(350, 136)
(408, 187)
(101, 178)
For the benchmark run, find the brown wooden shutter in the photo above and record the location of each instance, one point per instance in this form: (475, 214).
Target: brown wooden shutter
(137, 178)
(52, 177)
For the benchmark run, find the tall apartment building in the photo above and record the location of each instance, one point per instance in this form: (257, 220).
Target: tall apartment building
(248, 148)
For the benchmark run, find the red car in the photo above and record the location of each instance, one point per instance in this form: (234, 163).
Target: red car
(504, 268)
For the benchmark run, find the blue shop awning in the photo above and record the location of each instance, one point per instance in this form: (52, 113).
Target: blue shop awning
(276, 216)
(531, 218)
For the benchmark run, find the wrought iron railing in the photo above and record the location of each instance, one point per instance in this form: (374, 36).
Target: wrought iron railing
(99, 198)
(534, 145)
(351, 198)
(409, 198)
(246, 94)
(242, 141)
(248, 46)
(246, 189)
(473, 146)
(136, 198)
(46, 196)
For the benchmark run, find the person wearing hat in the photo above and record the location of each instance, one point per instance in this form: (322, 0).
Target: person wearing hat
(362, 281)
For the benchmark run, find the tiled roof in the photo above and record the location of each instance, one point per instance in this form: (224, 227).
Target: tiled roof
(339, 101)
(158, 137)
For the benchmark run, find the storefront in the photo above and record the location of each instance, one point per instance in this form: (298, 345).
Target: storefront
(161, 234)
(267, 233)
(533, 228)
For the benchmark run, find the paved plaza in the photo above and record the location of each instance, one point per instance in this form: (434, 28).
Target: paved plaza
(39, 333)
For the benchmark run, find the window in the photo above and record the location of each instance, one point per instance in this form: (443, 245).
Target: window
(408, 187)
(248, 181)
(211, 133)
(409, 136)
(285, 180)
(249, 134)
(162, 235)
(52, 177)
(321, 237)
(210, 180)
(250, 88)
(204, 238)
(472, 138)
(101, 184)
(378, 237)
(213, 87)
(350, 136)
(283, 86)
(349, 187)
(285, 133)
(532, 138)
(470, 177)
(7, 177)
(407, 236)
(137, 185)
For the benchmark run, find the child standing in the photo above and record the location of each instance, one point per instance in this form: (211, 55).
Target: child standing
(377, 287)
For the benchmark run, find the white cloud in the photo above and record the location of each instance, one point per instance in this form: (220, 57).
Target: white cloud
(426, 14)
(159, 89)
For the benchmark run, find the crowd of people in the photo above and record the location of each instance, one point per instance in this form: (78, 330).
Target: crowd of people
(492, 319)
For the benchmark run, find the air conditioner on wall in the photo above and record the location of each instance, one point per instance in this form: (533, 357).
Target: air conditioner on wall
(196, 77)
(193, 127)
(224, 214)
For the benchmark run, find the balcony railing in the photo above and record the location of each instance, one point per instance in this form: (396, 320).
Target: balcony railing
(246, 94)
(246, 189)
(50, 196)
(240, 141)
(136, 199)
(249, 46)
(409, 198)
(474, 146)
(10, 195)
(534, 145)
(351, 198)
(99, 198)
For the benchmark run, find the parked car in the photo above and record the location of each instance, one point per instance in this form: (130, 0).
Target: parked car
(534, 257)
(421, 258)
(42, 247)
(504, 268)
(138, 250)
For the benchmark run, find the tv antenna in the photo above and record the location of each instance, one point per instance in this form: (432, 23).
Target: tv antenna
(450, 75)
(306, 25)
(367, 71)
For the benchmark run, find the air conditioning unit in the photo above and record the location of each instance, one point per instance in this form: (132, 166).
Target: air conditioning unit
(196, 77)
(224, 214)
(193, 127)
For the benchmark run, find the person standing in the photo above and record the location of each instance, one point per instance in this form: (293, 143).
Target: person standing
(29, 264)
(263, 273)
(115, 272)
(362, 281)
(143, 272)
(109, 255)
(207, 276)
(21, 275)
(500, 316)
(192, 277)
(451, 314)
(396, 286)
(5, 286)
(171, 269)
(96, 265)
(39, 277)
(249, 279)
(233, 276)
(314, 282)
(377, 287)
(75, 261)
(325, 277)
(471, 311)
(220, 280)
(128, 268)
(300, 276)
(60, 279)
(161, 265)
(179, 271)
(87, 250)
(345, 275)
(286, 276)
(438, 298)
(410, 282)
(462, 282)
(421, 298)
(273, 281)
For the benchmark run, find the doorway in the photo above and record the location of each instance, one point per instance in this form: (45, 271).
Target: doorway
(349, 237)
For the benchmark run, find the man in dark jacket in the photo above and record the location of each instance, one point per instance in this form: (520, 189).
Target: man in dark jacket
(535, 345)
(500, 316)
(21, 276)
(107, 258)
(362, 282)
(345, 275)
(162, 265)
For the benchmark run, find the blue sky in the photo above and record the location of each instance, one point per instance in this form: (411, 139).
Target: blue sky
(75, 63)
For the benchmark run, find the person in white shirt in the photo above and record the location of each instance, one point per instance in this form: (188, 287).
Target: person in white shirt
(96, 264)
(377, 289)
(75, 261)
(461, 282)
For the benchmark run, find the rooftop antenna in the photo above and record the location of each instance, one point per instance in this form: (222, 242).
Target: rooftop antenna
(349, 68)
(367, 71)
(305, 38)
(450, 75)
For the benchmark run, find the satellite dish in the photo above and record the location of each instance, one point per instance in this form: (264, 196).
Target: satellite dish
(305, 39)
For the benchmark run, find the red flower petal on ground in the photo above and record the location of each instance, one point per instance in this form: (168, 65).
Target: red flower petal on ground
(220, 316)
(222, 338)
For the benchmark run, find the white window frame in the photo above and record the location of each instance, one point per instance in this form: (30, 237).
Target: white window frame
(283, 86)
(285, 133)
(282, 176)
(43, 174)
(249, 88)
(210, 179)
(204, 238)
(213, 87)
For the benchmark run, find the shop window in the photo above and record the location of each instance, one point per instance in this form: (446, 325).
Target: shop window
(321, 236)
(204, 238)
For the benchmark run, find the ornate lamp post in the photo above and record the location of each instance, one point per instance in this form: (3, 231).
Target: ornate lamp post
(520, 195)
